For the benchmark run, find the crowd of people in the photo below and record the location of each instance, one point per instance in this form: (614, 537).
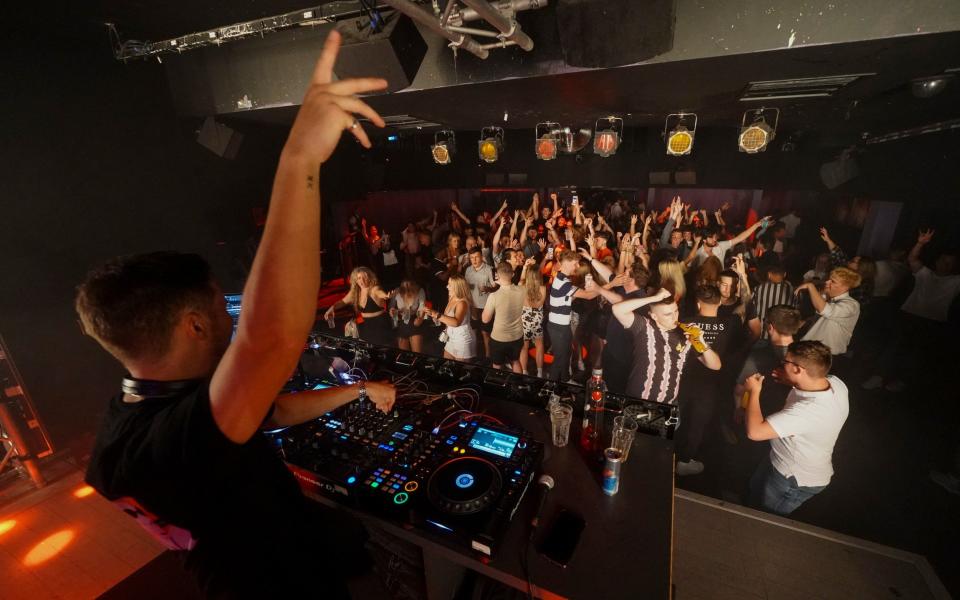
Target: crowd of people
(676, 305)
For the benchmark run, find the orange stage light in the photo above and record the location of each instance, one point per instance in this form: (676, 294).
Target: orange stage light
(49, 547)
(83, 492)
(7, 525)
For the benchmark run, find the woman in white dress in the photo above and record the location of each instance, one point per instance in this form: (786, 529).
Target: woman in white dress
(456, 316)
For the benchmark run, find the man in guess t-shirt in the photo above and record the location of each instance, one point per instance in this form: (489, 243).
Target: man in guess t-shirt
(660, 348)
(179, 449)
(699, 385)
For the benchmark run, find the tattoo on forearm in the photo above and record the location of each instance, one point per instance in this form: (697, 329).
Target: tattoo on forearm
(309, 182)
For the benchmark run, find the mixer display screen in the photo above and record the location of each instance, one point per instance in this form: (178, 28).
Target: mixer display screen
(493, 442)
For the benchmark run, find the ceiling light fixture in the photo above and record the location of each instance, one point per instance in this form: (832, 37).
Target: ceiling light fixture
(606, 139)
(546, 138)
(928, 87)
(682, 128)
(444, 146)
(755, 137)
(491, 144)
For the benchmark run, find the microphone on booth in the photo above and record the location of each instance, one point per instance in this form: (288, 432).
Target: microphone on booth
(545, 483)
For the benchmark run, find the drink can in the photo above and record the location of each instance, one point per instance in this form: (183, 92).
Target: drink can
(613, 460)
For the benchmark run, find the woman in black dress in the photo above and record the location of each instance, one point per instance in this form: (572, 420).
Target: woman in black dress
(368, 302)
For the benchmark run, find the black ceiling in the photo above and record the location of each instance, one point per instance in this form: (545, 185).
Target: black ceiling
(706, 71)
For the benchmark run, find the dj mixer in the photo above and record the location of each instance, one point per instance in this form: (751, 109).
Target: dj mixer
(437, 461)
(461, 474)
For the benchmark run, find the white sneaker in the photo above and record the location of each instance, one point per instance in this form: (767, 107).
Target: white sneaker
(690, 467)
(872, 383)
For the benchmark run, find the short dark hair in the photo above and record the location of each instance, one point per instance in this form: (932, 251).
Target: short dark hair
(708, 294)
(132, 303)
(785, 319)
(639, 274)
(732, 275)
(776, 268)
(476, 250)
(813, 356)
(711, 230)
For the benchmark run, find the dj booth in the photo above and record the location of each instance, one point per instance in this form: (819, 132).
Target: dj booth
(454, 469)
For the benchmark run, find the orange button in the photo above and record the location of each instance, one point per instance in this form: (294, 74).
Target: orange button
(411, 486)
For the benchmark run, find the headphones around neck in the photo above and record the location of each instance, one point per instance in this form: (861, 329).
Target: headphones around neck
(147, 388)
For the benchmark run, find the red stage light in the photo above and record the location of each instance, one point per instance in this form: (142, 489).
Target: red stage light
(546, 148)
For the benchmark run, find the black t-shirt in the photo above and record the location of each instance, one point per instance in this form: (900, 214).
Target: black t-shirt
(721, 334)
(236, 507)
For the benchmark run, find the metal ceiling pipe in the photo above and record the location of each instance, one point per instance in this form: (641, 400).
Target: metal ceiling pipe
(460, 16)
(418, 13)
(508, 27)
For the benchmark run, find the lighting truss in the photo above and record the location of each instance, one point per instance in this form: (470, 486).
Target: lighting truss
(317, 15)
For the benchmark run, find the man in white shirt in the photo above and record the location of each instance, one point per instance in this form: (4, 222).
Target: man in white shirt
(934, 289)
(922, 318)
(791, 221)
(802, 435)
(837, 310)
(712, 247)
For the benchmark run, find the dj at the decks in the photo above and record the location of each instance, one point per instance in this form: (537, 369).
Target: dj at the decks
(179, 450)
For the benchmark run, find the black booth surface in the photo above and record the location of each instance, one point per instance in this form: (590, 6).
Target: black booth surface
(626, 545)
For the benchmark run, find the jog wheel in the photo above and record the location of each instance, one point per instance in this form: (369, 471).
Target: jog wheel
(464, 486)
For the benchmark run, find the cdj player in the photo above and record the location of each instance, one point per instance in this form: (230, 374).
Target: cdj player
(435, 466)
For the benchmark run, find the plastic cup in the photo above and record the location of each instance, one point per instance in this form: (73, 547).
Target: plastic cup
(624, 431)
(561, 415)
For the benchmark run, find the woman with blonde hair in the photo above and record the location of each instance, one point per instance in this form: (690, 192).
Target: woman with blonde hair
(671, 278)
(458, 336)
(532, 317)
(406, 310)
(369, 302)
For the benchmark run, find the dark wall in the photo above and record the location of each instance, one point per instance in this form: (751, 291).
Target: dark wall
(94, 164)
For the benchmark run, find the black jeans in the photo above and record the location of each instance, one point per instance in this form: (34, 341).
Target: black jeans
(560, 338)
(696, 411)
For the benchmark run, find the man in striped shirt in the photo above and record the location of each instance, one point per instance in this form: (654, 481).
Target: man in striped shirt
(660, 348)
(776, 290)
(562, 293)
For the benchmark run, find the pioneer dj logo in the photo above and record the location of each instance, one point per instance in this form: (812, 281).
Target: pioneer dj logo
(464, 480)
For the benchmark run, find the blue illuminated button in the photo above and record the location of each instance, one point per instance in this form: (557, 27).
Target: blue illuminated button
(464, 480)
(400, 498)
(351, 479)
(518, 472)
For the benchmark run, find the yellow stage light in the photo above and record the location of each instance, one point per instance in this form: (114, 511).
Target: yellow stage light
(683, 128)
(444, 147)
(758, 134)
(491, 144)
